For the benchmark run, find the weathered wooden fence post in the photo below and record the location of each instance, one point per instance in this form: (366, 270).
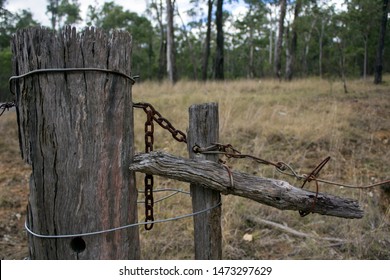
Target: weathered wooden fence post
(204, 130)
(76, 131)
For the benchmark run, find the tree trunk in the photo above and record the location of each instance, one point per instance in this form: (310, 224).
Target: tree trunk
(321, 46)
(206, 53)
(171, 59)
(270, 46)
(251, 64)
(193, 58)
(219, 56)
(278, 50)
(381, 43)
(365, 57)
(162, 59)
(288, 53)
(204, 130)
(307, 38)
(76, 130)
(293, 43)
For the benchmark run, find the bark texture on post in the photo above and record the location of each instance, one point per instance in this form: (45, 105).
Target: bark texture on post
(204, 130)
(76, 131)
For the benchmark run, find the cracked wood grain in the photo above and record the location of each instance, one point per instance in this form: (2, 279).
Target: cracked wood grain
(271, 192)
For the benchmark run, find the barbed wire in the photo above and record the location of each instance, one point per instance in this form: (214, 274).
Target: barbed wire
(6, 106)
(282, 167)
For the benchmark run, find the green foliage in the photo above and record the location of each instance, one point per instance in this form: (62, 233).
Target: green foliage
(330, 42)
(112, 16)
(5, 70)
(9, 23)
(63, 13)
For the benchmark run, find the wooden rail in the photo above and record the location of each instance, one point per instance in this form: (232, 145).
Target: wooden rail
(272, 192)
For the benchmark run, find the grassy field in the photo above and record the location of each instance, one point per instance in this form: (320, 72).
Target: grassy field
(300, 123)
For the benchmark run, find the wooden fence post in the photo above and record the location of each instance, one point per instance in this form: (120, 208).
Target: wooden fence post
(204, 130)
(76, 131)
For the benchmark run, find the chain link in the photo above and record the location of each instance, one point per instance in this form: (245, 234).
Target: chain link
(149, 180)
(153, 115)
(178, 135)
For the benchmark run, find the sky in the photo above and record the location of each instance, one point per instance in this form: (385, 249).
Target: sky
(38, 7)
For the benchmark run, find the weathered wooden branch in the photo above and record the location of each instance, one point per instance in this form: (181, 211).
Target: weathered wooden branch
(272, 192)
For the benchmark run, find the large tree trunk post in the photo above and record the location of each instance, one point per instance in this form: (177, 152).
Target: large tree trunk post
(204, 130)
(76, 131)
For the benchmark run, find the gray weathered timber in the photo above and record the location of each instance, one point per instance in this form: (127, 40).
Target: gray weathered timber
(76, 131)
(272, 192)
(204, 130)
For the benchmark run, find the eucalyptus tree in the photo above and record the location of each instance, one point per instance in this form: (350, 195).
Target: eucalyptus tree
(9, 23)
(381, 42)
(156, 10)
(219, 73)
(171, 58)
(291, 48)
(206, 52)
(252, 30)
(113, 16)
(363, 18)
(278, 49)
(63, 12)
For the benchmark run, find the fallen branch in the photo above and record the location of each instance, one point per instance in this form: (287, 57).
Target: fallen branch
(272, 192)
(293, 231)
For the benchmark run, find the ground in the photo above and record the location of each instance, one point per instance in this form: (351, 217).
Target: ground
(300, 123)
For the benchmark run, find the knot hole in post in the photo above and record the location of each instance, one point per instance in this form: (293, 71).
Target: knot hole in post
(78, 244)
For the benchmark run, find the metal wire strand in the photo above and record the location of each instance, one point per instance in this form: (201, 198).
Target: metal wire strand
(120, 228)
(282, 167)
(63, 70)
(6, 106)
(175, 192)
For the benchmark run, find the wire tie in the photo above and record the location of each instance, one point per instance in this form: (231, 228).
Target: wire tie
(231, 186)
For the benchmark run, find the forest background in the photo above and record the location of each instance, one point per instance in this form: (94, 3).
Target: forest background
(282, 98)
(281, 39)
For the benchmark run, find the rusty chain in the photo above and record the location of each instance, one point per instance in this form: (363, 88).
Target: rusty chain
(163, 122)
(153, 115)
(230, 152)
(149, 180)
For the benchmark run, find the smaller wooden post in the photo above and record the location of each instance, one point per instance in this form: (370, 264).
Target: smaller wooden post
(203, 130)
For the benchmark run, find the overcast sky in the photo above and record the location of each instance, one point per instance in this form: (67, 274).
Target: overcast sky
(38, 7)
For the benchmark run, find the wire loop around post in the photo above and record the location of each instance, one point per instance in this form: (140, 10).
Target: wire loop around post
(65, 70)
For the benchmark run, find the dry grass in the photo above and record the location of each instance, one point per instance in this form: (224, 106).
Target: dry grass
(299, 123)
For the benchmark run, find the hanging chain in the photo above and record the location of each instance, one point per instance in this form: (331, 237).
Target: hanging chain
(148, 181)
(153, 115)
